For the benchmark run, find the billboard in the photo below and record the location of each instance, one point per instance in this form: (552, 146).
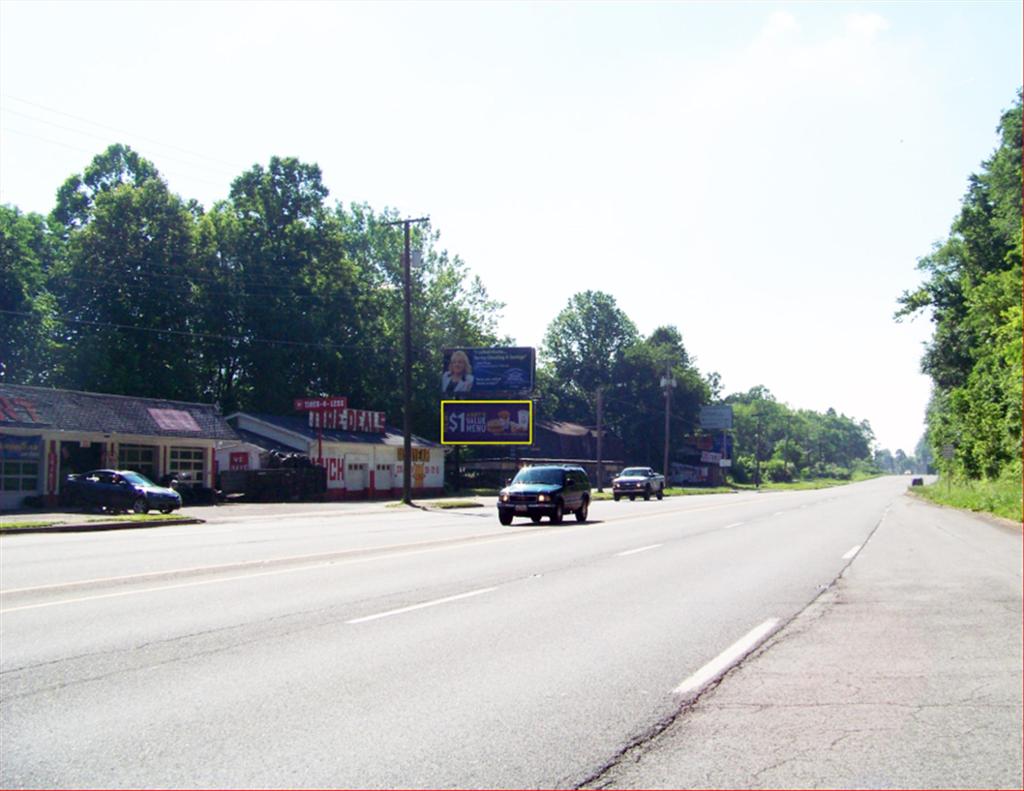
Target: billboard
(486, 422)
(488, 371)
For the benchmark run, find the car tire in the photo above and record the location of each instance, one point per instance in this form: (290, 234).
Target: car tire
(661, 493)
(616, 497)
(140, 506)
(556, 516)
(166, 510)
(647, 493)
(535, 518)
(581, 512)
(632, 497)
(504, 517)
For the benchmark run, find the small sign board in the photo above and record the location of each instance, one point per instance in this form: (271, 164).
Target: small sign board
(948, 451)
(716, 418)
(487, 422)
(315, 404)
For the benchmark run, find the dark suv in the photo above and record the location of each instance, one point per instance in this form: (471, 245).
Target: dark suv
(552, 491)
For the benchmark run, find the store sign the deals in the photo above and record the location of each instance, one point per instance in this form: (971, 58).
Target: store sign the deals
(486, 422)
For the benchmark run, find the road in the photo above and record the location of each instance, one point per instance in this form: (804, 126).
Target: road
(372, 647)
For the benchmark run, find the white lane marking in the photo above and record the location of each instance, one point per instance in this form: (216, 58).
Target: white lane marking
(729, 657)
(852, 552)
(433, 603)
(734, 524)
(634, 551)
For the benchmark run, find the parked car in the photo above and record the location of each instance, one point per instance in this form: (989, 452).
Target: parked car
(638, 480)
(121, 490)
(550, 490)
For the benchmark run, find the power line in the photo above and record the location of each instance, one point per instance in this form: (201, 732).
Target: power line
(200, 335)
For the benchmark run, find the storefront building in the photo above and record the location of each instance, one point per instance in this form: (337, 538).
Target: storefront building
(359, 464)
(47, 434)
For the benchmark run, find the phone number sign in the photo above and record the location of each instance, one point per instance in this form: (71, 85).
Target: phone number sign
(487, 422)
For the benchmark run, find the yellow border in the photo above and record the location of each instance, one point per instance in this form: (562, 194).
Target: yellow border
(528, 402)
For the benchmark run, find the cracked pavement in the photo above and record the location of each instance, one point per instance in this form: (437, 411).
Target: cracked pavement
(907, 673)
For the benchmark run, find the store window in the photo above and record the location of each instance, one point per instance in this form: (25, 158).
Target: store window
(19, 476)
(141, 458)
(187, 464)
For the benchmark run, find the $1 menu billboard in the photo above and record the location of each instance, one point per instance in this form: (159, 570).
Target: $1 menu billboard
(486, 422)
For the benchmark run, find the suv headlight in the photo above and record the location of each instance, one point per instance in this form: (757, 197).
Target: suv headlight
(543, 498)
(503, 497)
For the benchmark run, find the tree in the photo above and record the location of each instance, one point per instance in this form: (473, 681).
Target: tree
(586, 340)
(28, 311)
(973, 291)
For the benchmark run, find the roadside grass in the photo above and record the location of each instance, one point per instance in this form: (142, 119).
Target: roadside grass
(114, 518)
(1000, 497)
(5, 525)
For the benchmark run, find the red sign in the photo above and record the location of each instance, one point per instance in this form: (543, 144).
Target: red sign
(239, 460)
(348, 420)
(317, 404)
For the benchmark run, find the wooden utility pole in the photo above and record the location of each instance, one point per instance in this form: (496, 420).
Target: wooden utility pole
(668, 383)
(407, 363)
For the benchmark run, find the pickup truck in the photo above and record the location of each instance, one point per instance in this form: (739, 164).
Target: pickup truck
(638, 480)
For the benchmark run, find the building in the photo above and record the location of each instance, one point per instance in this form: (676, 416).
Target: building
(48, 434)
(359, 463)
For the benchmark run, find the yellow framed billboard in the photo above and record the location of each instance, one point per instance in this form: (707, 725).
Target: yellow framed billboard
(487, 422)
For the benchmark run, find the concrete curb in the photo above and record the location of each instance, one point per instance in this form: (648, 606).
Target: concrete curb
(85, 527)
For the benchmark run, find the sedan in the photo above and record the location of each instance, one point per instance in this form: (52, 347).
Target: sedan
(121, 490)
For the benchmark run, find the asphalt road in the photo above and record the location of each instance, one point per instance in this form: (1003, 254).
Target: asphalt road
(372, 647)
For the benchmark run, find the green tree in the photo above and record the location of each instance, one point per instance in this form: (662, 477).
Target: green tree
(28, 311)
(972, 291)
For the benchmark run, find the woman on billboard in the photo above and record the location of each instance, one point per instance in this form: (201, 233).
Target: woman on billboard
(459, 376)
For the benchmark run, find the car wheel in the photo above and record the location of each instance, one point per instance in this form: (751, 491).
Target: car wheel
(632, 497)
(535, 518)
(616, 497)
(504, 517)
(140, 506)
(556, 517)
(647, 493)
(166, 510)
(581, 512)
(661, 493)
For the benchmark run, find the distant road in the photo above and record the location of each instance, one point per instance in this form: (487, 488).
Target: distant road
(371, 647)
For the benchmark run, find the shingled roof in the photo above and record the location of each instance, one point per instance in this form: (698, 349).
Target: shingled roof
(72, 410)
(300, 426)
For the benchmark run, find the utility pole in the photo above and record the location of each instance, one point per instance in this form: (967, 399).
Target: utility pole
(407, 363)
(757, 453)
(668, 383)
(600, 433)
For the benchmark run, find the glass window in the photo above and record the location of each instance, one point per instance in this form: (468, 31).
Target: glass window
(140, 458)
(19, 476)
(188, 464)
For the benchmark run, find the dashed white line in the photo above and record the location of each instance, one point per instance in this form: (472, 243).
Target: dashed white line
(729, 657)
(433, 603)
(634, 551)
(734, 524)
(852, 552)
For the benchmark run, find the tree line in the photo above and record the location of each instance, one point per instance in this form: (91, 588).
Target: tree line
(273, 292)
(972, 290)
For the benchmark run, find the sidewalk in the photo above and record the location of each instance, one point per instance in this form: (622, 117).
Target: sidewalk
(905, 674)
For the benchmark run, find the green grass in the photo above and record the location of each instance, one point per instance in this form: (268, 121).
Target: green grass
(5, 525)
(1001, 497)
(114, 518)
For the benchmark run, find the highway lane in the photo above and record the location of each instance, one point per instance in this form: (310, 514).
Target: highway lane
(522, 659)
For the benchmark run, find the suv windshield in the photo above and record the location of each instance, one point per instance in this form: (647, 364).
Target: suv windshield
(540, 475)
(641, 471)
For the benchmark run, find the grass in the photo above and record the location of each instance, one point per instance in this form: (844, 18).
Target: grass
(5, 525)
(1000, 497)
(133, 518)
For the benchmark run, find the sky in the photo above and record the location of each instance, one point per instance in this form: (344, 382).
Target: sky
(762, 176)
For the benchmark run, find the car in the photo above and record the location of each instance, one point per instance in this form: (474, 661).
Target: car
(121, 490)
(546, 490)
(638, 480)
